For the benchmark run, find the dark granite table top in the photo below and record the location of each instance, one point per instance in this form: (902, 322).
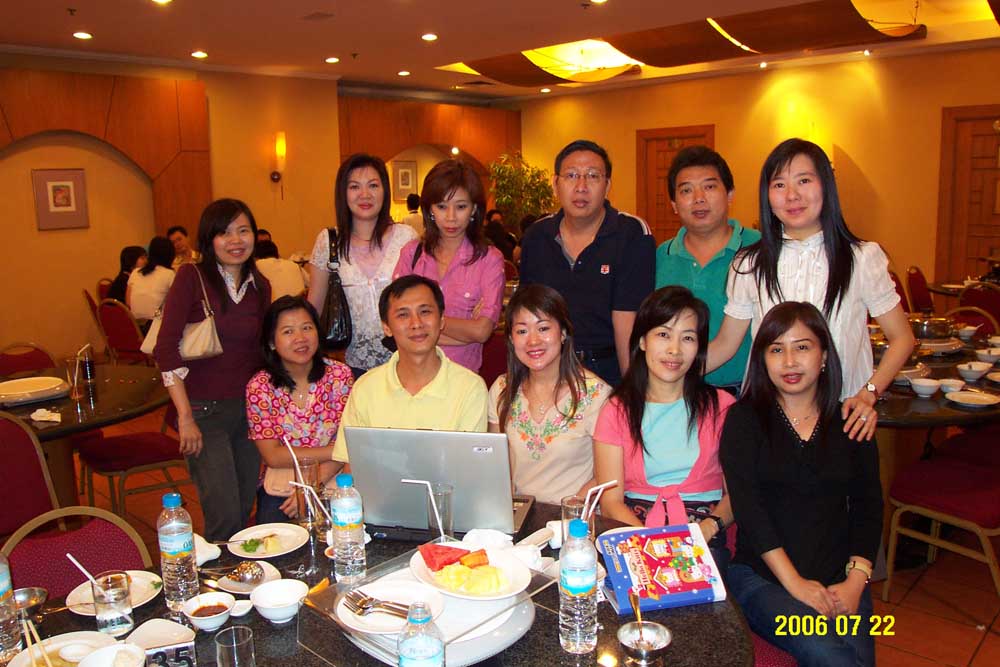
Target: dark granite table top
(710, 634)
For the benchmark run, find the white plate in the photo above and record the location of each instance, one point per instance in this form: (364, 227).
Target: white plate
(292, 537)
(53, 644)
(238, 588)
(973, 399)
(405, 592)
(517, 573)
(158, 632)
(993, 377)
(944, 347)
(26, 390)
(145, 586)
(952, 285)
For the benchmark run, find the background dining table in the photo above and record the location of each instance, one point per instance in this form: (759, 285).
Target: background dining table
(706, 634)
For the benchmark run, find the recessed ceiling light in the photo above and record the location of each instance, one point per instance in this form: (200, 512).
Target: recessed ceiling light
(403, 72)
(162, 2)
(457, 87)
(597, 2)
(83, 35)
(454, 150)
(429, 37)
(763, 65)
(333, 60)
(545, 90)
(867, 52)
(199, 55)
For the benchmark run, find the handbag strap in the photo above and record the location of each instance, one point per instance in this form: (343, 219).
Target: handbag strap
(334, 263)
(204, 293)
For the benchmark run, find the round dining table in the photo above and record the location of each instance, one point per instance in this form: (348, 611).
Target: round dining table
(706, 634)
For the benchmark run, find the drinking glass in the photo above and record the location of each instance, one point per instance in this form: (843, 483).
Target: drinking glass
(74, 377)
(113, 603)
(572, 508)
(234, 647)
(443, 495)
(309, 467)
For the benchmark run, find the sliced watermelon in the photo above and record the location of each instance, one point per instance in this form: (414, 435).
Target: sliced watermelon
(436, 556)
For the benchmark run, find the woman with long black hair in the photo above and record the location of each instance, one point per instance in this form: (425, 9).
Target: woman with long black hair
(148, 286)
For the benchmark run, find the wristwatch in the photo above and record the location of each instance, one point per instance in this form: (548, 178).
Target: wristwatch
(855, 565)
(870, 386)
(718, 522)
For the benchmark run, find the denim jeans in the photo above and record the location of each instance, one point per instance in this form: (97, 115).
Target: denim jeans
(269, 508)
(227, 469)
(762, 601)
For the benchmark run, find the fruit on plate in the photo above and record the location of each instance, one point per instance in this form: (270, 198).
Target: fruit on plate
(482, 580)
(266, 544)
(437, 556)
(475, 559)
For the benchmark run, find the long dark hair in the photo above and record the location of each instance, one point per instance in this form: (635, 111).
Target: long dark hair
(838, 240)
(657, 309)
(345, 221)
(215, 219)
(161, 253)
(760, 390)
(545, 303)
(272, 362)
(129, 255)
(440, 184)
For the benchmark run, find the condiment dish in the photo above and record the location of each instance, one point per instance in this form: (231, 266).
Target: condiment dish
(213, 621)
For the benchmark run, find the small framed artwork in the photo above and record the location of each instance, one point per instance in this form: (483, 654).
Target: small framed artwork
(60, 198)
(404, 179)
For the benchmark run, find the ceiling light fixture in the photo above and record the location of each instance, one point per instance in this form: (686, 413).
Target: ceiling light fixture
(403, 72)
(763, 65)
(718, 29)
(867, 52)
(545, 90)
(332, 60)
(597, 2)
(585, 61)
(83, 35)
(200, 55)
(454, 150)
(429, 37)
(162, 2)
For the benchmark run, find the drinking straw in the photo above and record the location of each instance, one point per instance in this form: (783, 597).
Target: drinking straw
(430, 494)
(80, 351)
(82, 569)
(312, 491)
(588, 508)
(298, 471)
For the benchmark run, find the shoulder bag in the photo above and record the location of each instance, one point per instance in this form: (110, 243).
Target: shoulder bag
(336, 318)
(200, 340)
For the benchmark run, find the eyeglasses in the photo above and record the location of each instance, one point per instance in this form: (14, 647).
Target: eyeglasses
(592, 177)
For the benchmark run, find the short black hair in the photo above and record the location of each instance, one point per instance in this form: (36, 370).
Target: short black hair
(177, 228)
(584, 145)
(265, 249)
(489, 214)
(698, 156)
(412, 201)
(399, 286)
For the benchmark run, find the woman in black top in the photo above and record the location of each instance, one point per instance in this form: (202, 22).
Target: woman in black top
(807, 498)
(131, 257)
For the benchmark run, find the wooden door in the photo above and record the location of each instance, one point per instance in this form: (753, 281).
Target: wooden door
(969, 199)
(655, 150)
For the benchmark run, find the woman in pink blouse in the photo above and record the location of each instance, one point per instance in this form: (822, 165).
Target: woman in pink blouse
(454, 253)
(298, 397)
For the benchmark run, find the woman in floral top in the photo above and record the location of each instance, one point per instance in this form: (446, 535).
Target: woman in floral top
(299, 396)
(547, 402)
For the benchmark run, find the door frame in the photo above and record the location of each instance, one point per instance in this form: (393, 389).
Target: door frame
(643, 137)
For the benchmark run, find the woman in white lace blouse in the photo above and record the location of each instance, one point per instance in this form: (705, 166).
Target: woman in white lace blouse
(367, 248)
(807, 253)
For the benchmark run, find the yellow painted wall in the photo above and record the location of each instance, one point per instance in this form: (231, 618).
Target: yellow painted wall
(426, 157)
(45, 271)
(881, 118)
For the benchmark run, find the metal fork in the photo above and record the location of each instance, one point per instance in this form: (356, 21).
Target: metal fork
(372, 609)
(362, 599)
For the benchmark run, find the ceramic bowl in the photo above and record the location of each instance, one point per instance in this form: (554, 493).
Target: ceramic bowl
(990, 355)
(925, 387)
(966, 333)
(278, 601)
(952, 384)
(994, 341)
(973, 370)
(215, 621)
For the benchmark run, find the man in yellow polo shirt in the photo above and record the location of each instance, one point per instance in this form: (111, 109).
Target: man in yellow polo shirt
(419, 387)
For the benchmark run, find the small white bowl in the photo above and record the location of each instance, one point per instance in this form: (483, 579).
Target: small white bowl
(925, 387)
(966, 333)
(278, 601)
(989, 355)
(108, 656)
(994, 341)
(952, 384)
(215, 621)
(973, 370)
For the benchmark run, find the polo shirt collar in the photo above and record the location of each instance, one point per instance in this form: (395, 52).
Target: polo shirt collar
(734, 244)
(438, 387)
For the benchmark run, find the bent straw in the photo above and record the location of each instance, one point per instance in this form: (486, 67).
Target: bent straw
(430, 494)
(588, 507)
(82, 569)
(319, 502)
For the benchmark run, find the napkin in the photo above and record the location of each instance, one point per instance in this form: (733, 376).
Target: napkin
(528, 554)
(487, 538)
(203, 551)
(43, 415)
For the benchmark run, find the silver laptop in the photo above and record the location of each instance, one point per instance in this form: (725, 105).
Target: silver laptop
(476, 464)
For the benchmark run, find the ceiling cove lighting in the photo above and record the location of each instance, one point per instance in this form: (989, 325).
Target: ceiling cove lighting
(718, 29)
(162, 2)
(429, 37)
(403, 72)
(83, 35)
(200, 55)
(332, 60)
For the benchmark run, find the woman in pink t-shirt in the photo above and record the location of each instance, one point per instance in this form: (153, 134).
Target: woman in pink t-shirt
(658, 435)
(454, 253)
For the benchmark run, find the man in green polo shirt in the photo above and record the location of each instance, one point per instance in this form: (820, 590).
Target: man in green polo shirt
(701, 188)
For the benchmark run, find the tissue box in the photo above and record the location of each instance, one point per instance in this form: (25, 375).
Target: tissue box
(669, 566)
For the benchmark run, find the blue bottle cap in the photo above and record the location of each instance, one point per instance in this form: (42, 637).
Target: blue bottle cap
(345, 479)
(171, 500)
(419, 613)
(578, 528)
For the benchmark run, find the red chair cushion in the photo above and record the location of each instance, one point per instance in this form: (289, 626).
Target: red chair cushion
(23, 494)
(122, 452)
(766, 654)
(951, 486)
(40, 559)
(494, 358)
(31, 359)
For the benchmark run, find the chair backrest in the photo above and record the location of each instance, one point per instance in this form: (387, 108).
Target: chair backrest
(509, 270)
(24, 357)
(27, 489)
(494, 358)
(973, 316)
(982, 295)
(105, 542)
(103, 288)
(920, 296)
(121, 331)
(904, 300)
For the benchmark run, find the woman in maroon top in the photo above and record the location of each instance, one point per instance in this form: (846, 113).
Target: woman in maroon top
(209, 394)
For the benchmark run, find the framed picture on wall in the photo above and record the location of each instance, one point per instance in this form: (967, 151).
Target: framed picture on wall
(60, 198)
(404, 179)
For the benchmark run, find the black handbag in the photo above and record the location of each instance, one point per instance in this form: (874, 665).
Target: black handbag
(336, 318)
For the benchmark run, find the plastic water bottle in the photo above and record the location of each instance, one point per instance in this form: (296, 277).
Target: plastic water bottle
(348, 531)
(420, 643)
(177, 564)
(578, 591)
(10, 629)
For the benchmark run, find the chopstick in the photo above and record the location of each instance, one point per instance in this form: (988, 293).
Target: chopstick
(28, 625)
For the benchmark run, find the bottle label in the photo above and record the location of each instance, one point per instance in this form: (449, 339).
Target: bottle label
(346, 515)
(5, 587)
(578, 582)
(424, 652)
(176, 546)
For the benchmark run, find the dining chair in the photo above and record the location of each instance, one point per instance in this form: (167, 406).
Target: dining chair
(904, 300)
(103, 288)
(981, 295)
(92, 307)
(28, 490)
(494, 358)
(24, 358)
(920, 296)
(104, 542)
(973, 316)
(122, 333)
(510, 271)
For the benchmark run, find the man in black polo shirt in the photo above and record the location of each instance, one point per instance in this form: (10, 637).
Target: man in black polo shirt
(601, 260)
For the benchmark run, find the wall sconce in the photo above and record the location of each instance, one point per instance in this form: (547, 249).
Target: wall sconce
(280, 150)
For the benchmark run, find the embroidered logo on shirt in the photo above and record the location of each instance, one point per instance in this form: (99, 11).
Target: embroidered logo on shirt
(605, 269)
